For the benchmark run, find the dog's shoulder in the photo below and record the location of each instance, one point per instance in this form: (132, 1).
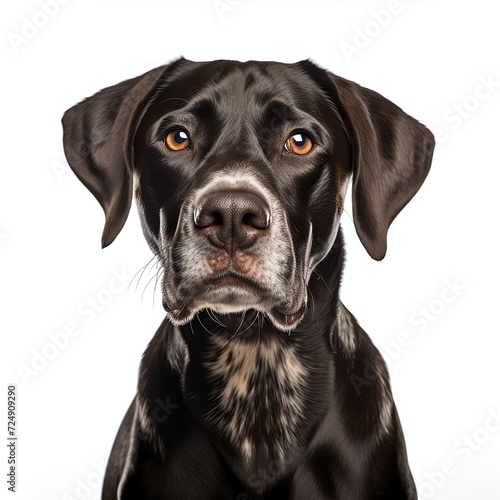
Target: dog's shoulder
(364, 386)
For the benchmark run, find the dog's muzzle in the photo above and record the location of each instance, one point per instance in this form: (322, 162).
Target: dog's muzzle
(234, 252)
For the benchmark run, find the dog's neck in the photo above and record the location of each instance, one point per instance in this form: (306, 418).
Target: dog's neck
(250, 384)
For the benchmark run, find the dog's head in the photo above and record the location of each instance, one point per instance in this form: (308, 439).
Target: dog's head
(240, 170)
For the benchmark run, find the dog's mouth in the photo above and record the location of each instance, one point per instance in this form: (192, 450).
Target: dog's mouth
(231, 279)
(232, 292)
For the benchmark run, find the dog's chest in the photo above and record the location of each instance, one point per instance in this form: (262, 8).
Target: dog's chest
(257, 389)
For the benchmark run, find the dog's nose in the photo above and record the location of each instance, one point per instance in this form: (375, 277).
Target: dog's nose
(232, 219)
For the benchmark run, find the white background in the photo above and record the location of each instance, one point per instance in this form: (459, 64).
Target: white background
(430, 58)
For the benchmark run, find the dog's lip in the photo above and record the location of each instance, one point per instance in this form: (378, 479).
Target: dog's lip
(181, 315)
(284, 316)
(225, 279)
(283, 319)
(288, 319)
(231, 278)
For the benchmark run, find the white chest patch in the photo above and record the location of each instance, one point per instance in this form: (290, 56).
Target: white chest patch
(258, 390)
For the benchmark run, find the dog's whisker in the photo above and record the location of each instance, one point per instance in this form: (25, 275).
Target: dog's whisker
(141, 272)
(159, 274)
(324, 282)
(248, 327)
(214, 317)
(155, 277)
(204, 327)
(313, 303)
(344, 211)
(241, 324)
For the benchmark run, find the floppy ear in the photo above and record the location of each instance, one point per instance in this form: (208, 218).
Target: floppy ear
(98, 143)
(392, 155)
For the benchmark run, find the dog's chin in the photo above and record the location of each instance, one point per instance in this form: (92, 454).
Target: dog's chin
(283, 317)
(286, 320)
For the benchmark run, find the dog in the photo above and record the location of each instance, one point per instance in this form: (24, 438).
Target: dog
(259, 384)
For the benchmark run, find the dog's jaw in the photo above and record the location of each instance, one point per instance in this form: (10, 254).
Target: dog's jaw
(283, 320)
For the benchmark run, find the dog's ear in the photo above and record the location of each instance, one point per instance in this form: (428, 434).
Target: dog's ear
(98, 143)
(392, 155)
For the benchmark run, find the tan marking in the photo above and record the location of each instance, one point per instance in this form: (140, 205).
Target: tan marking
(148, 429)
(237, 363)
(345, 329)
(218, 262)
(247, 264)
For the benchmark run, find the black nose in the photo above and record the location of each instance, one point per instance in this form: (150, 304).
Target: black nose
(232, 219)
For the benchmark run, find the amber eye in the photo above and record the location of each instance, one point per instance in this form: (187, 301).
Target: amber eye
(299, 143)
(177, 140)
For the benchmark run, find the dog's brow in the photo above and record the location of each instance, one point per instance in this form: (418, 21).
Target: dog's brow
(279, 111)
(201, 109)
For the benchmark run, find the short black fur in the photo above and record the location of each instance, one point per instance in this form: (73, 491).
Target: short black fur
(259, 384)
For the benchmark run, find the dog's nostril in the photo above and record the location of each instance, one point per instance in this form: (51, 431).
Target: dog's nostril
(205, 218)
(256, 220)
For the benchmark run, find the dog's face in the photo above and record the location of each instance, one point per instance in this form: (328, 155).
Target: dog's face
(240, 170)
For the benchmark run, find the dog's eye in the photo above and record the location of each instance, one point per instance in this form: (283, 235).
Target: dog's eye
(177, 140)
(299, 143)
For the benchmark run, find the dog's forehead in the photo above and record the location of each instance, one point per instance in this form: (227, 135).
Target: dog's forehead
(225, 73)
(233, 84)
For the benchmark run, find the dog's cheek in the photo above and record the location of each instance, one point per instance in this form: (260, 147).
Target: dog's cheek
(185, 260)
(149, 219)
(160, 186)
(323, 217)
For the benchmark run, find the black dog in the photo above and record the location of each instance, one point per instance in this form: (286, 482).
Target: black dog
(256, 384)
